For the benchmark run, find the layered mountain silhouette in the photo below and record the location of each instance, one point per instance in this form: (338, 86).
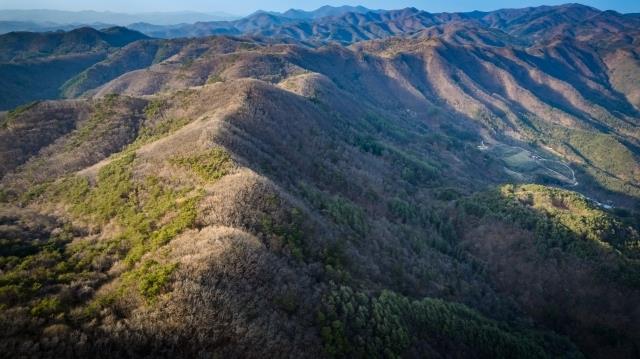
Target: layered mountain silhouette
(58, 19)
(349, 24)
(336, 183)
(35, 66)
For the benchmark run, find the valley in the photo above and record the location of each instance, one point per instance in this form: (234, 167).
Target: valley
(525, 165)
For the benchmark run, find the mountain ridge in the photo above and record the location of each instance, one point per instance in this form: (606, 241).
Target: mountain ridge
(35, 65)
(428, 185)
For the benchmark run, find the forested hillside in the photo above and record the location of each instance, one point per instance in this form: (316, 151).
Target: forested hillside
(463, 188)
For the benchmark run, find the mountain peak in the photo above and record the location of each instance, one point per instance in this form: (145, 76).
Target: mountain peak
(324, 11)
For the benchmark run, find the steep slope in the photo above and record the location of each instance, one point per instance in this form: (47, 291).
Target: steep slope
(28, 45)
(565, 257)
(624, 67)
(240, 197)
(260, 218)
(606, 32)
(535, 95)
(33, 66)
(138, 55)
(33, 80)
(558, 97)
(35, 130)
(273, 210)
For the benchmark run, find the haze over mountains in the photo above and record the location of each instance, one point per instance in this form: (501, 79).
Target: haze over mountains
(53, 20)
(57, 18)
(335, 183)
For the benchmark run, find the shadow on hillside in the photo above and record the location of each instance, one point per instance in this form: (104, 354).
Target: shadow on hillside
(546, 250)
(591, 187)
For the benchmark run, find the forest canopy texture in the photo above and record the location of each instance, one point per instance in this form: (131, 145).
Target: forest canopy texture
(369, 184)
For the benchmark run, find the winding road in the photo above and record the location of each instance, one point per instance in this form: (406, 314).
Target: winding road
(540, 160)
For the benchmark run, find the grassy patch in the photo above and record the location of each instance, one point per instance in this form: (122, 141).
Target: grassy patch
(154, 108)
(157, 131)
(29, 266)
(147, 215)
(215, 78)
(33, 192)
(150, 278)
(45, 307)
(209, 166)
(108, 198)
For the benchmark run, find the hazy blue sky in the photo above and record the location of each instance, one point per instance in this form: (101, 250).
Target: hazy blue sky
(243, 7)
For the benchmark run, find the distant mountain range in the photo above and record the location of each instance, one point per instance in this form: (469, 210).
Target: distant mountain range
(324, 11)
(76, 50)
(54, 20)
(344, 24)
(347, 25)
(44, 20)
